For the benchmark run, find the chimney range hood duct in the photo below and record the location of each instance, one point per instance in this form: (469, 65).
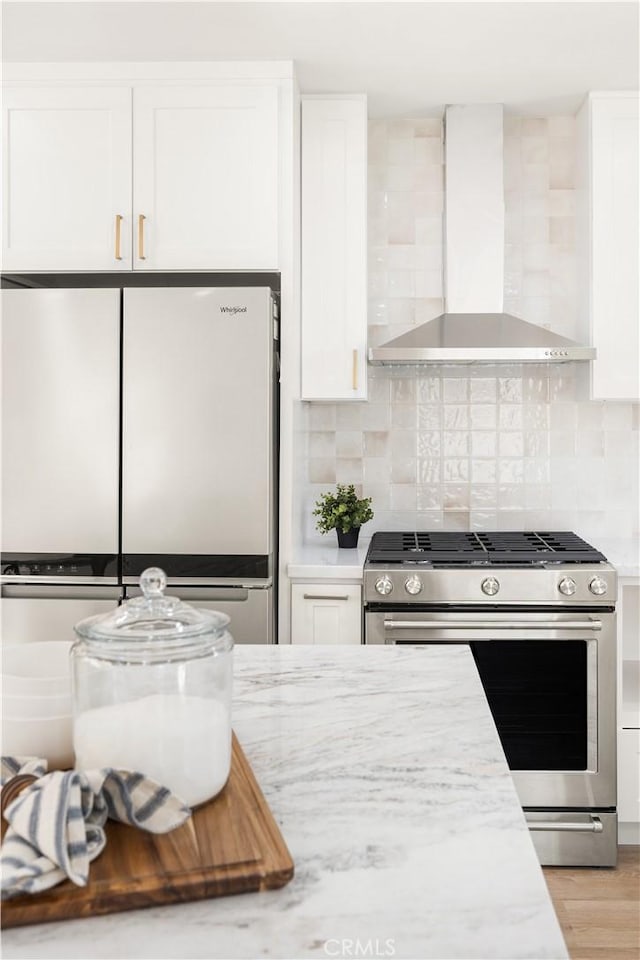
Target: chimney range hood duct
(475, 329)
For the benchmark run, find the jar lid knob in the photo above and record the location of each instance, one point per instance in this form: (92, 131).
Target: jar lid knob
(153, 580)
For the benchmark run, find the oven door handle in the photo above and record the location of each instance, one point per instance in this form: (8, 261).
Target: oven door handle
(593, 826)
(492, 625)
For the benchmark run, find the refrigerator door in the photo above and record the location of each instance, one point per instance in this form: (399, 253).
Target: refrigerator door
(197, 428)
(60, 423)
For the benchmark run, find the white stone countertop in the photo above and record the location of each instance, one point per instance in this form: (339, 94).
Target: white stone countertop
(320, 562)
(383, 769)
(623, 554)
(330, 562)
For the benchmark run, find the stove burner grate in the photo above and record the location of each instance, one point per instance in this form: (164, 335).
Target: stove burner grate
(484, 548)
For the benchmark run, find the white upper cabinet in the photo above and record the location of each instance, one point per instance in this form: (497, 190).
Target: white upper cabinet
(205, 177)
(334, 248)
(608, 211)
(66, 178)
(178, 176)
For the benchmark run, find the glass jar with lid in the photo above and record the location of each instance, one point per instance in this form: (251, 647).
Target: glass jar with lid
(152, 692)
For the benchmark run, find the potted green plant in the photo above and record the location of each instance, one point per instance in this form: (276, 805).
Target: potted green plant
(344, 512)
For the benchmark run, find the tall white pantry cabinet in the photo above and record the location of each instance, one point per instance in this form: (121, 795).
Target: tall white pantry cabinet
(140, 176)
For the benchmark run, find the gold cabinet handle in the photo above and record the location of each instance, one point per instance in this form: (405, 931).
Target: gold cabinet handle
(141, 220)
(119, 219)
(354, 372)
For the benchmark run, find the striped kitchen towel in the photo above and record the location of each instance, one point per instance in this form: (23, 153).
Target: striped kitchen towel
(56, 824)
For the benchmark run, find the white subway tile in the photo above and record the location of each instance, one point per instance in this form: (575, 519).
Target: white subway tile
(349, 416)
(484, 471)
(404, 496)
(511, 444)
(510, 471)
(429, 443)
(322, 470)
(404, 470)
(455, 416)
(349, 470)
(456, 496)
(429, 470)
(322, 443)
(429, 496)
(483, 416)
(455, 470)
(455, 389)
(483, 443)
(377, 469)
(322, 416)
(455, 443)
(429, 416)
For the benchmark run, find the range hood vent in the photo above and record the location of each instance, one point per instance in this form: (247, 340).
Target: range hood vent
(474, 328)
(479, 338)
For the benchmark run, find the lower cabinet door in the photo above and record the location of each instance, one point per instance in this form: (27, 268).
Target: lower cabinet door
(326, 613)
(629, 776)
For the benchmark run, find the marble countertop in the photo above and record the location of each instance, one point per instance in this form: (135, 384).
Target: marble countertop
(384, 771)
(330, 562)
(320, 562)
(623, 554)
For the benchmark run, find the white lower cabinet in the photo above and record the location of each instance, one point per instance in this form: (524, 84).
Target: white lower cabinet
(629, 776)
(628, 608)
(326, 613)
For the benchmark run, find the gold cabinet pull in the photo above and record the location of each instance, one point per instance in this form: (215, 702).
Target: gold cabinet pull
(141, 220)
(354, 372)
(119, 219)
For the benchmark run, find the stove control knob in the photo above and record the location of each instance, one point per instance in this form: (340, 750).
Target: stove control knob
(384, 586)
(567, 586)
(490, 586)
(598, 586)
(413, 585)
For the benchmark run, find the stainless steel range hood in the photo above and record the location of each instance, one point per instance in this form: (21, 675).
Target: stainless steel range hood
(474, 328)
(479, 338)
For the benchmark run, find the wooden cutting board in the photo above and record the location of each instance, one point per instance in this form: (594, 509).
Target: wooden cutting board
(230, 845)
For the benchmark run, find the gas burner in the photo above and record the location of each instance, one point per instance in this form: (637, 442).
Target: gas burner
(504, 549)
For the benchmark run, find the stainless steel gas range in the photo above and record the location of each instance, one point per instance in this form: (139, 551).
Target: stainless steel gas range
(538, 612)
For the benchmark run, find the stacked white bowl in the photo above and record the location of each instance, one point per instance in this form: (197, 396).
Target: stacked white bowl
(36, 702)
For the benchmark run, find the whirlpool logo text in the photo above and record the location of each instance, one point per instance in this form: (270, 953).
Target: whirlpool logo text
(233, 309)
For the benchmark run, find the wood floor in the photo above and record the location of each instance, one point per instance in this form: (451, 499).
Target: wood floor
(599, 909)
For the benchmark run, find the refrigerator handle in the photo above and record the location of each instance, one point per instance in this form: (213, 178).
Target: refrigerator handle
(61, 591)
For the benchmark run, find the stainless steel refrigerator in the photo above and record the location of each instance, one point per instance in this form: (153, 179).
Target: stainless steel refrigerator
(139, 428)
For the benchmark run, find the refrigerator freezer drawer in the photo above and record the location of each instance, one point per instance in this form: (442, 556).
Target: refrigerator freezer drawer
(27, 619)
(250, 609)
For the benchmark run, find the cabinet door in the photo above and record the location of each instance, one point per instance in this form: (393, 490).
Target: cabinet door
(326, 613)
(615, 253)
(629, 776)
(334, 248)
(67, 178)
(206, 177)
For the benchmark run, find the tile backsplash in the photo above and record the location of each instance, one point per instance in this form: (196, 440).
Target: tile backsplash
(476, 447)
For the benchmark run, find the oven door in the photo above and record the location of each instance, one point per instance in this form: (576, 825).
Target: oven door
(549, 678)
